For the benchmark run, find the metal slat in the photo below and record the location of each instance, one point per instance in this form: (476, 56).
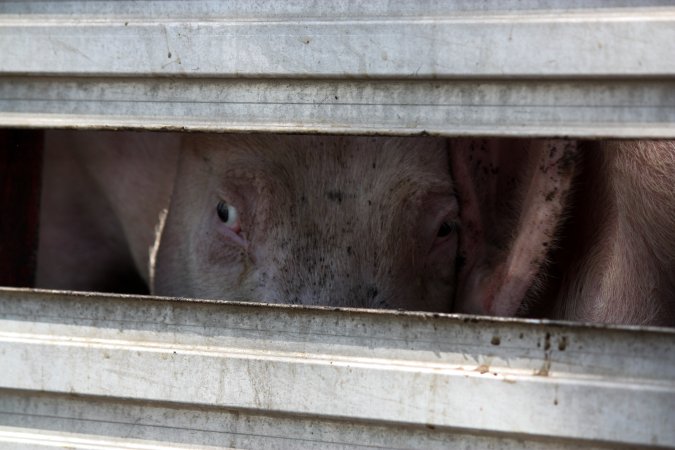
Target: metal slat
(499, 69)
(460, 108)
(595, 43)
(227, 374)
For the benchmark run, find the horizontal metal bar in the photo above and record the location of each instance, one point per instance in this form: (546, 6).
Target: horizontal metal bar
(472, 378)
(639, 109)
(456, 68)
(541, 43)
(242, 9)
(37, 420)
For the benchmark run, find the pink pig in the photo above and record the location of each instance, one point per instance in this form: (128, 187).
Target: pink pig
(567, 230)
(559, 229)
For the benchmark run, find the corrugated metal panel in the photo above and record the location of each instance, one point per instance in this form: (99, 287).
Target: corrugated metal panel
(112, 371)
(498, 68)
(92, 371)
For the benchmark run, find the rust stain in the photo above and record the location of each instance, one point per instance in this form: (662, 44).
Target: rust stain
(545, 368)
(483, 368)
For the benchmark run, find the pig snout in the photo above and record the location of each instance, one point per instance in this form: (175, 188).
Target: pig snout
(338, 221)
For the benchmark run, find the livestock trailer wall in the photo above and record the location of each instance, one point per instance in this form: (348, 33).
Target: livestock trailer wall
(101, 371)
(491, 68)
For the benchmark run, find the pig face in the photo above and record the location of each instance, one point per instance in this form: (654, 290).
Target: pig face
(323, 220)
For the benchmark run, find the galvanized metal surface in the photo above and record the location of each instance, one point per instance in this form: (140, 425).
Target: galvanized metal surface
(331, 43)
(459, 108)
(497, 68)
(91, 371)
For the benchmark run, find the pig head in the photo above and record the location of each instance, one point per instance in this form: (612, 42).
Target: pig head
(341, 221)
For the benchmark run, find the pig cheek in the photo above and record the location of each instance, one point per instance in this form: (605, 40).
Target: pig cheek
(225, 270)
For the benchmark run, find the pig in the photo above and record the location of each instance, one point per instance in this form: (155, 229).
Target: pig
(312, 220)
(512, 227)
(583, 231)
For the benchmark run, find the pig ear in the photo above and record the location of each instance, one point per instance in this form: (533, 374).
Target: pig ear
(512, 195)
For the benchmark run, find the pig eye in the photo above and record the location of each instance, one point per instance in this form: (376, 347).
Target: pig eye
(446, 228)
(227, 214)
